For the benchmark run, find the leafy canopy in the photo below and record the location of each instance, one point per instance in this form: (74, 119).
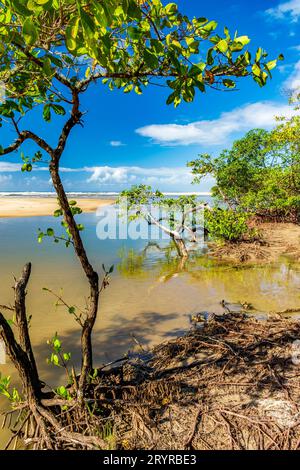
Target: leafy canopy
(260, 173)
(227, 225)
(142, 195)
(141, 201)
(47, 45)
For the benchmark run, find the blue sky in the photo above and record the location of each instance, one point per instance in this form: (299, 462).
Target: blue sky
(129, 139)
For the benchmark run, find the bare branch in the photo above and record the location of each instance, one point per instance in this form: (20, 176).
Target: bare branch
(26, 135)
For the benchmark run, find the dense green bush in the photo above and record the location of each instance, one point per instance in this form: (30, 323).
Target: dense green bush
(228, 225)
(260, 173)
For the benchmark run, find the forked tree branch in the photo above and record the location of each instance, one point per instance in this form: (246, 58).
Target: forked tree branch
(23, 136)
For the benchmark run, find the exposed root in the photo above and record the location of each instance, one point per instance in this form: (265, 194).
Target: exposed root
(232, 383)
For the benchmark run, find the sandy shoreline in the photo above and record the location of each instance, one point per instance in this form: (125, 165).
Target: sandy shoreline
(41, 206)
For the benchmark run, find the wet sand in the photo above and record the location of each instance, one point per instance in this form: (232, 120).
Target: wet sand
(42, 206)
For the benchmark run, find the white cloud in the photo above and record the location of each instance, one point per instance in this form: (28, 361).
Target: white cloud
(116, 143)
(7, 166)
(139, 175)
(217, 131)
(14, 167)
(290, 9)
(5, 178)
(293, 81)
(106, 174)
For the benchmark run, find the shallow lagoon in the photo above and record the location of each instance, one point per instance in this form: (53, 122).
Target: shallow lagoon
(150, 298)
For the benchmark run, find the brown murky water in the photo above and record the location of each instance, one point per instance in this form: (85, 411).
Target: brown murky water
(151, 294)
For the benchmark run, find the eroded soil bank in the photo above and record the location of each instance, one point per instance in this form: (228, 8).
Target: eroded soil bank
(231, 384)
(275, 240)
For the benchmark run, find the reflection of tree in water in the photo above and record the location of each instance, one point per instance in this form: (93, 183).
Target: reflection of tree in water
(152, 259)
(160, 261)
(237, 282)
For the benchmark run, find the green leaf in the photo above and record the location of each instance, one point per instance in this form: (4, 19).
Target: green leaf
(47, 113)
(171, 9)
(55, 359)
(73, 27)
(21, 8)
(134, 33)
(40, 237)
(271, 65)
(211, 26)
(229, 83)
(30, 32)
(128, 88)
(57, 344)
(244, 40)
(47, 66)
(256, 70)
(258, 54)
(57, 213)
(222, 46)
(150, 59)
(58, 109)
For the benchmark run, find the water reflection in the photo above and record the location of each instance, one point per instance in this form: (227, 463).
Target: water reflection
(151, 296)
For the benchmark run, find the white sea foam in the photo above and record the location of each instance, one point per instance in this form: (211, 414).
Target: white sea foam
(88, 194)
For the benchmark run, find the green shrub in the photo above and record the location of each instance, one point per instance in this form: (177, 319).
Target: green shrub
(228, 225)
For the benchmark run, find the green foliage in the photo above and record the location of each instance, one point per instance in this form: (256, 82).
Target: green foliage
(259, 174)
(121, 42)
(28, 162)
(143, 202)
(108, 271)
(142, 195)
(228, 225)
(63, 392)
(13, 395)
(67, 239)
(60, 358)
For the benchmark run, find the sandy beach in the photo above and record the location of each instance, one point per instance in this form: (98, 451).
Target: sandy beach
(38, 206)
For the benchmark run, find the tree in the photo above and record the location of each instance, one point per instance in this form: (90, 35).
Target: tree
(173, 216)
(259, 173)
(53, 51)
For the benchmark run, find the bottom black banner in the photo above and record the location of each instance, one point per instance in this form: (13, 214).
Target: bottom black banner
(136, 459)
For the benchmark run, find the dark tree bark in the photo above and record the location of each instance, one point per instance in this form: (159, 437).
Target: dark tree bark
(90, 273)
(92, 277)
(21, 353)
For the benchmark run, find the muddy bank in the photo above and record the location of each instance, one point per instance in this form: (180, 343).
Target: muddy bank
(275, 240)
(232, 382)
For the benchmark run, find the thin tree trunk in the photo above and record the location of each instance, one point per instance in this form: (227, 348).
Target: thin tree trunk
(180, 246)
(92, 276)
(21, 353)
(21, 316)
